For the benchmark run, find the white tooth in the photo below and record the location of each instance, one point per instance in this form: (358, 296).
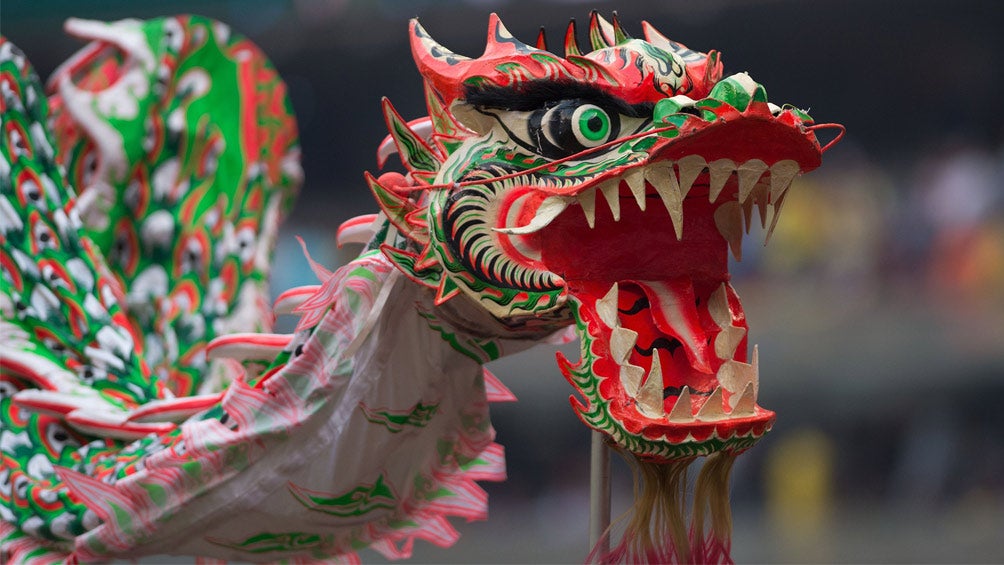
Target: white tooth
(781, 175)
(727, 340)
(611, 192)
(718, 307)
(631, 376)
(588, 202)
(712, 409)
(762, 196)
(606, 308)
(749, 173)
(663, 179)
(729, 221)
(635, 179)
(548, 210)
(747, 214)
(650, 400)
(777, 214)
(682, 411)
(744, 405)
(690, 168)
(774, 108)
(622, 341)
(719, 172)
(735, 375)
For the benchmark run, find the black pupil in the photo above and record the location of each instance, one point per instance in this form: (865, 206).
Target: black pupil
(595, 123)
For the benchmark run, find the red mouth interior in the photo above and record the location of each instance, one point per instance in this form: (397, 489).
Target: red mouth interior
(651, 267)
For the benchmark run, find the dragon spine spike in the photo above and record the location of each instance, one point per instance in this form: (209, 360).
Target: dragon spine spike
(541, 42)
(620, 36)
(599, 36)
(447, 289)
(407, 263)
(415, 153)
(571, 40)
(500, 39)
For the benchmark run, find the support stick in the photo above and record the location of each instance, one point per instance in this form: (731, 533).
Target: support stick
(599, 494)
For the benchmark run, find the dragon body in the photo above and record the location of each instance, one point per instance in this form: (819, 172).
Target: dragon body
(146, 410)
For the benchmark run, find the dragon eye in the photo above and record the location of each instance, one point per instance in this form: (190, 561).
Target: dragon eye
(571, 126)
(591, 125)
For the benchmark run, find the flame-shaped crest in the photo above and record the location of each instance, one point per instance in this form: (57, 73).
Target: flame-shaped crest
(636, 70)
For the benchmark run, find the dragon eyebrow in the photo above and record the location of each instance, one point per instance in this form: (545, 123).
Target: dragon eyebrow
(528, 96)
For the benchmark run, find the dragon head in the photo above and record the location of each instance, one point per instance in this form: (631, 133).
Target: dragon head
(605, 190)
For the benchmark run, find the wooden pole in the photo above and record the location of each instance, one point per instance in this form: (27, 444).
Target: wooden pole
(599, 495)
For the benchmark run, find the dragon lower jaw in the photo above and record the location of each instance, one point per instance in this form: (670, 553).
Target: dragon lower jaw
(665, 369)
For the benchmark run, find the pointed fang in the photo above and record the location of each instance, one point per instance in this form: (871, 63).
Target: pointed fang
(719, 172)
(690, 168)
(781, 175)
(749, 173)
(635, 179)
(745, 405)
(588, 202)
(683, 411)
(631, 376)
(611, 192)
(606, 308)
(729, 221)
(650, 401)
(662, 177)
(546, 212)
(622, 341)
(712, 410)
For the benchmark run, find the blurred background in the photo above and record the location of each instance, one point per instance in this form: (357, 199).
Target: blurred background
(878, 307)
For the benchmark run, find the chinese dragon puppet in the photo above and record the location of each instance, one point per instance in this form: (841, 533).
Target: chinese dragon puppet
(147, 410)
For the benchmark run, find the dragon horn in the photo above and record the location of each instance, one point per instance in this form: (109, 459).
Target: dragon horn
(599, 31)
(571, 43)
(443, 68)
(620, 36)
(499, 37)
(541, 40)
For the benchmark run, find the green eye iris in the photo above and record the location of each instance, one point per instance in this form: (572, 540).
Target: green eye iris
(591, 125)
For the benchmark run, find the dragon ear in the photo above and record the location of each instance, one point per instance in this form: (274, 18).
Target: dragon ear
(471, 118)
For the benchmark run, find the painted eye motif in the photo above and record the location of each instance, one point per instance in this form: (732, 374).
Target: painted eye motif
(571, 126)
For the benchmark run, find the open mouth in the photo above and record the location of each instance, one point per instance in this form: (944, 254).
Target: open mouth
(664, 336)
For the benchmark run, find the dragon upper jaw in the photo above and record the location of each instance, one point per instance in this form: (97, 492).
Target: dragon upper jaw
(664, 334)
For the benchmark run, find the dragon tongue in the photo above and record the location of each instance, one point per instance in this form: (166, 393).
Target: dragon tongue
(674, 311)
